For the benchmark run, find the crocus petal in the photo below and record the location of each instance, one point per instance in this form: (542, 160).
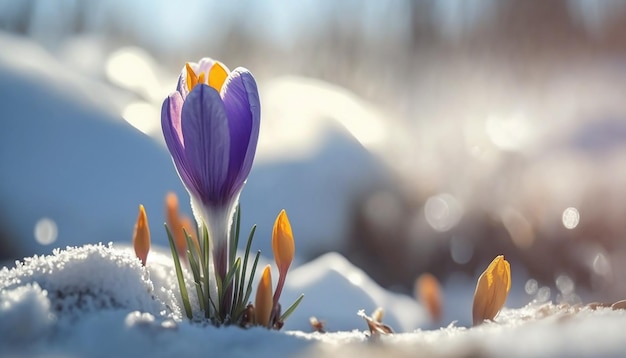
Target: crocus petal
(241, 102)
(172, 132)
(492, 290)
(428, 291)
(263, 300)
(181, 86)
(175, 109)
(205, 65)
(192, 77)
(141, 236)
(217, 76)
(282, 242)
(175, 224)
(207, 143)
(284, 249)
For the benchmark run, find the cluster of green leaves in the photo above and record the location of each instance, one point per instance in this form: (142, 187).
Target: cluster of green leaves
(199, 260)
(233, 292)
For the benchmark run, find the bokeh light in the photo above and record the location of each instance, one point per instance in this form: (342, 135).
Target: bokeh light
(46, 231)
(143, 116)
(443, 211)
(531, 287)
(571, 217)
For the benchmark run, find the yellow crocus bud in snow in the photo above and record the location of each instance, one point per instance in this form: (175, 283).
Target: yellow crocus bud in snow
(263, 304)
(141, 236)
(491, 290)
(282, 242)
(284, 249)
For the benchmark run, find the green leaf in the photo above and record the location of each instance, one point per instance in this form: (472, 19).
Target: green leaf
(229, 276)
(245, 264)
(228, 282)
(204, 264)
(249, 288)
(291, 308)
(220, 293)
(179, 275)
(195, 269)
(236, 297)
(191, 246)
(197, 279)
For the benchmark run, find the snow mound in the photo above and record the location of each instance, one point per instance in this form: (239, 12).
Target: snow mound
(87, 278)
(24, 313)
(335, 290)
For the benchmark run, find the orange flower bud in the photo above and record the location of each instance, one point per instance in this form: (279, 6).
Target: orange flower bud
(282, 242)
(428, 291)
(141, 236)
(284, 249)
(175, 223)
(492, 290)
(263, 303)
(189, 226)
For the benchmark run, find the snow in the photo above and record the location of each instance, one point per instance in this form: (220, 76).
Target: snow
(352, 290)
(80, 279)
(98, 301)
(25, 313)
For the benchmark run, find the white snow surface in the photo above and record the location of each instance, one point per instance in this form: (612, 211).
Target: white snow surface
(98, 301)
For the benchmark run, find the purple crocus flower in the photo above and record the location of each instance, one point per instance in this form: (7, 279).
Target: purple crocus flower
(211, 128)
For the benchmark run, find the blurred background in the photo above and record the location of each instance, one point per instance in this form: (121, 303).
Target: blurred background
(410, 136)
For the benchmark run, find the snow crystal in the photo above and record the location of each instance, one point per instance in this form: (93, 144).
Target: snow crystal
(87, 278)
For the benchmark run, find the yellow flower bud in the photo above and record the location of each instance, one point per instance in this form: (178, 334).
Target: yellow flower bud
(491, 290)
(282, 242)
(428, 291)
(141, 236)
(263, 304)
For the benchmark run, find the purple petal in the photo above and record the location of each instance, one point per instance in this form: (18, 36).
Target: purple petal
(181, 86)
(207, 142)
(242, 106)
(171, 125)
